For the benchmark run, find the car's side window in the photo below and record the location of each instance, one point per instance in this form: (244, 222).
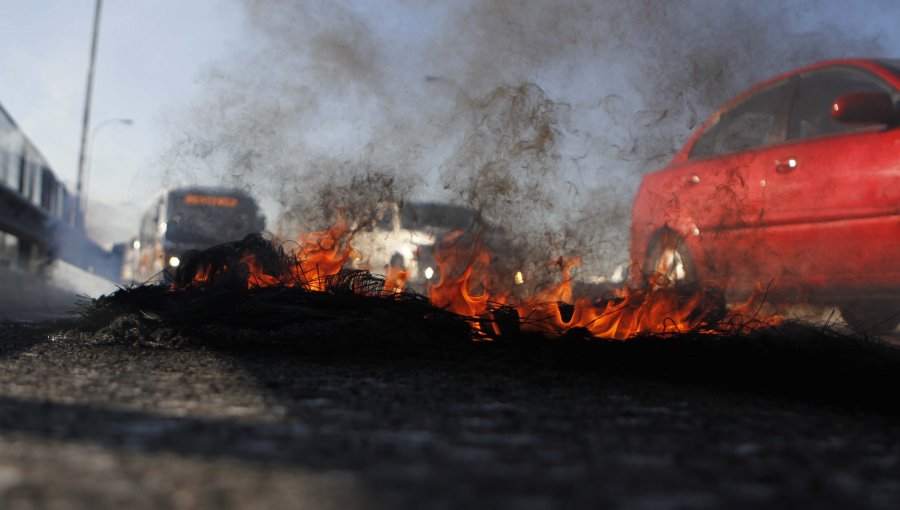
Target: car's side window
(747, 125)
(811, 112)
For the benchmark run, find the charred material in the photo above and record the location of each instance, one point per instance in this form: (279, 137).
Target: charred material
(253, 284)
(356, 315)
(223, 265)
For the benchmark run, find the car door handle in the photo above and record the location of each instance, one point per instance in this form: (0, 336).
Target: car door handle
(786, 165)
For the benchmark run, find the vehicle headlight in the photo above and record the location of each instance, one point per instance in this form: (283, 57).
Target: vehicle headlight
(174, 261)
(429, 273)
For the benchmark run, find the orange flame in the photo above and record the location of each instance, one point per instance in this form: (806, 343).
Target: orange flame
(630, 313)
(257, 276)
(317, 256)
(322, 254)
(455, 291)
(469, 287)
(395, 280)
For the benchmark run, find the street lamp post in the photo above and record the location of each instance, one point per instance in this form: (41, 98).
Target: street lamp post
(78, 216)
(88, 161)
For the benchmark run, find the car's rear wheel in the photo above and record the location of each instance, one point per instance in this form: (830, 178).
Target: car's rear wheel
(878, 317)
(669, 262)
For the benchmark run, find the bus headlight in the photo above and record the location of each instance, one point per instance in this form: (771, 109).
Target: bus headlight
(174, 261)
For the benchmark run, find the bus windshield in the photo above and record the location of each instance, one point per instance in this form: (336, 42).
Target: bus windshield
(204, 219)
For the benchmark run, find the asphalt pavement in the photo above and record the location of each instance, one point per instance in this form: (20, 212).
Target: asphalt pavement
(93, 421)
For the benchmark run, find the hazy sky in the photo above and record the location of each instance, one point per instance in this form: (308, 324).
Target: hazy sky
(277, 86)
(151, 57)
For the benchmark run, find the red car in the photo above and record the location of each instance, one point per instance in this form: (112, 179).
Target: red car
(794, 184)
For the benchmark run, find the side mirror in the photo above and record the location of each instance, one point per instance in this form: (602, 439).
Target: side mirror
(864, 108)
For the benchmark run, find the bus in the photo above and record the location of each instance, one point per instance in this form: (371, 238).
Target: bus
(191, 218)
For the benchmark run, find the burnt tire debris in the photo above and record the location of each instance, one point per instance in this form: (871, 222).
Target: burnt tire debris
(355, 316)
(254, 285)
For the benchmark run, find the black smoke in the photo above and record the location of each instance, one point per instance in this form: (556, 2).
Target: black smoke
(543, 115)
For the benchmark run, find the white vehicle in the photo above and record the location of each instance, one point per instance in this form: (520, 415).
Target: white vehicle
(384, 244)
(402, 236)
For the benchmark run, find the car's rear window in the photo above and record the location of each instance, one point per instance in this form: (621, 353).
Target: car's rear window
(423, 215)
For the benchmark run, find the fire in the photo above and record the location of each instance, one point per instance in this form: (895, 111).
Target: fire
(316, 257)
(395, 279)
(257, 276)
(656, 309)
(455, 291)
(469, 286)
(322, 254)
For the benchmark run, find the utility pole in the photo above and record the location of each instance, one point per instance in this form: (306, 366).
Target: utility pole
(78, 220)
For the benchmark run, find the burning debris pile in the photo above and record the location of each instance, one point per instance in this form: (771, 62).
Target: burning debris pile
(253, 284)
(252, 296)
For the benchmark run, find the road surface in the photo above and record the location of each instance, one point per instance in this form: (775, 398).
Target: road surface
(99, 422)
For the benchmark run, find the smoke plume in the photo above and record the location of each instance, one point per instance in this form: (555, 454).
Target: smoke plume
(543, 115)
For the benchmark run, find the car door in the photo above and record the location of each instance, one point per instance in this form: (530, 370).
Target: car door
(723, 191)
(832, 190)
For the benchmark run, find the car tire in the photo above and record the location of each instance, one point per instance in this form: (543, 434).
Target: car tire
(669, 263)
(872, 317)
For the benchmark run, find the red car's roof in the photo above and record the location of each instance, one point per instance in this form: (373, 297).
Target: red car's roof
(874, 65)
(880, 67)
